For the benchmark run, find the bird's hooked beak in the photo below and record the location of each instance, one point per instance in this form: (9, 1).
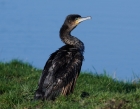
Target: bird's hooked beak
(82, 19)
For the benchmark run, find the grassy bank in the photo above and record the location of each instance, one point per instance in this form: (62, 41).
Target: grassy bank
(18, 81)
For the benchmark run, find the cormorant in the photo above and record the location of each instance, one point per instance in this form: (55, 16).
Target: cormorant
(64, 65)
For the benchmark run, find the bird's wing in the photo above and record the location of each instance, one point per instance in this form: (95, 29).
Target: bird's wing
(54, 63)
(47, 78)
(67, 80)
(66, 77)
(60, 73)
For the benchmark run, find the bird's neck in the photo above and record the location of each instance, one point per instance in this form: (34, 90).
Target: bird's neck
(67, 38)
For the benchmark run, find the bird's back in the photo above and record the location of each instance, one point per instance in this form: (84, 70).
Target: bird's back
(60, 73)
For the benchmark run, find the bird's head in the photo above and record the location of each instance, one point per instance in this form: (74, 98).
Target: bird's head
(73, 20)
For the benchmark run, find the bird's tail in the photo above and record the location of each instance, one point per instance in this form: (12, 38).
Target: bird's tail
(39, 95)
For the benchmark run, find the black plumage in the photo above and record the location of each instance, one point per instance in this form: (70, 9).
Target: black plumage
(63, 66)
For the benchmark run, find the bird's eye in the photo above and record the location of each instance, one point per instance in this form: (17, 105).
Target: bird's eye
(76, 18)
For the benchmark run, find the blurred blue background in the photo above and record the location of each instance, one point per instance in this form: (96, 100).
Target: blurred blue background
(29, 31)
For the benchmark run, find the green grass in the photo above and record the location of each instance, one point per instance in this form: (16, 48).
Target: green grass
(18, 82)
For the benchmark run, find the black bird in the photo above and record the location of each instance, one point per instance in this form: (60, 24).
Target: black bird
(63, 66)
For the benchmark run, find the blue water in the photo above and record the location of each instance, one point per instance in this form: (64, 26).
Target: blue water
(29, 31)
